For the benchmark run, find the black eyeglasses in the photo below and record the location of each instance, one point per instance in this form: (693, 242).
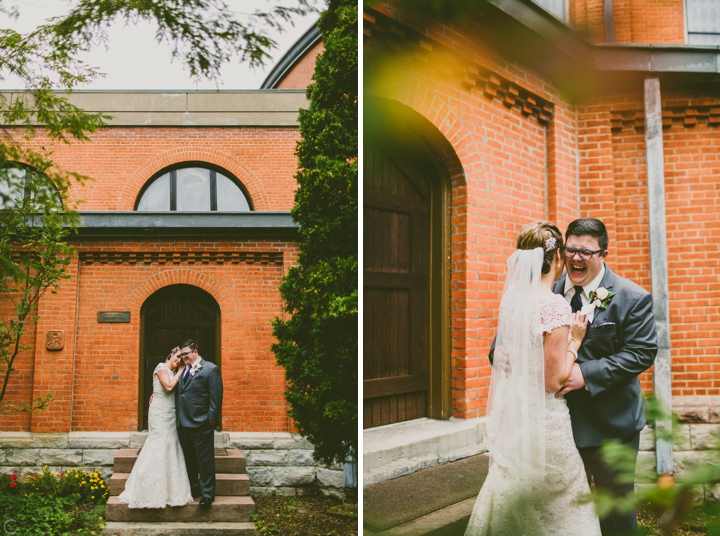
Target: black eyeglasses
(585, 254)
(184, 354)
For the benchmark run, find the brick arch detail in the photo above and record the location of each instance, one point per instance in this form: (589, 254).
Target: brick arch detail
(138, 178)
(421, 98)
(186, 276)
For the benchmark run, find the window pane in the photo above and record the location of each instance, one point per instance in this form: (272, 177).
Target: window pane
(157, 197)
(230, 196)
(703, 16)
(704, 39)
(12, 187)
(193, 189)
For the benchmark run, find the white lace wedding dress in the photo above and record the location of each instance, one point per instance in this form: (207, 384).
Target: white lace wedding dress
(551, 506)
(159, 477)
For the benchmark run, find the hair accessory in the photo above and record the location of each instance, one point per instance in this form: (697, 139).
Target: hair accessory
(550, 243)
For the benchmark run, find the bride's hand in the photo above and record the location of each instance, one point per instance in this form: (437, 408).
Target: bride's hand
(579, 326)
(180, 369)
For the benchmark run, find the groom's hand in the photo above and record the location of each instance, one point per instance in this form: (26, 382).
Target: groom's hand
(576, 380)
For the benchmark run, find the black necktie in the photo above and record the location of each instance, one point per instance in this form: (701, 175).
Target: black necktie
(576, 301)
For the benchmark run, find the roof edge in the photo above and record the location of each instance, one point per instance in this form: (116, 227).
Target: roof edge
(296, 52)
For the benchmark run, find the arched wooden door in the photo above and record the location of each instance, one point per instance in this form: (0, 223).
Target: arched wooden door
(396, 249)
(169, 317)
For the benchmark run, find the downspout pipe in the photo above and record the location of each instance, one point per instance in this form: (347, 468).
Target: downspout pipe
(609, 26)
(658, 268)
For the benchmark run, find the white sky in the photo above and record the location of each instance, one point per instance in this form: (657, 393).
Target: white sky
(134, 60)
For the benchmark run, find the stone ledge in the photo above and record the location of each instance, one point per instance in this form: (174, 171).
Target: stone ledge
(697, 409)
(277, 461)
(399, 449)
(118, 528)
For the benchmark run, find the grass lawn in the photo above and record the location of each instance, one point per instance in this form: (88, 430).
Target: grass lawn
(695, 523)
(301, 516)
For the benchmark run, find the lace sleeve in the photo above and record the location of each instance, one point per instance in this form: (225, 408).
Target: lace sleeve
(555, 312)
(162, 366)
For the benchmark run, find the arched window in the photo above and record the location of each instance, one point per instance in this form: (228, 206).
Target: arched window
(193, 188)
(19, 181)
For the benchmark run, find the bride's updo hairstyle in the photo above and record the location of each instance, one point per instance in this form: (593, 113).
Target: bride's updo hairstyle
(538, 235)
(174, 351)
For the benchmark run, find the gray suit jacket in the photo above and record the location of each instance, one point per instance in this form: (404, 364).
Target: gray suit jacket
(620, 344)
(199, 397)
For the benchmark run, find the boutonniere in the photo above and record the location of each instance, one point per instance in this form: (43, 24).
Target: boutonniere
(196, 368)
(599, 298)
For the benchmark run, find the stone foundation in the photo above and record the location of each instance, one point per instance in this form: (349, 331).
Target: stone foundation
(276, 462)
(695, 441)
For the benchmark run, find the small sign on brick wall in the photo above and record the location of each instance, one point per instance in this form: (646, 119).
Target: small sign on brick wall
(113, 316)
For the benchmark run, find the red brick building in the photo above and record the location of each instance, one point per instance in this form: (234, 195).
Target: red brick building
(485, 118)
(186, 233)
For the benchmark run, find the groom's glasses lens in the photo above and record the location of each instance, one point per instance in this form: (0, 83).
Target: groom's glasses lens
(585, 254)
(184, 354)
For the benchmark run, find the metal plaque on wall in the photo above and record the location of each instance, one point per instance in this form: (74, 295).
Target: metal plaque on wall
(113, 316)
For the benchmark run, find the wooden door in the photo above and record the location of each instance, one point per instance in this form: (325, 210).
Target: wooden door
(396, 246)
(171, 316)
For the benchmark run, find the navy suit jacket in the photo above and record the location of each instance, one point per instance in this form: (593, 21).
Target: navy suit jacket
(198, 398)
(620, 344)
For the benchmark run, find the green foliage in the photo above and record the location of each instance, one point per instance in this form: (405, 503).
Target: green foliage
(36, 256)
(42, 504)
(673, 497)
(318, 344)
(204, 33)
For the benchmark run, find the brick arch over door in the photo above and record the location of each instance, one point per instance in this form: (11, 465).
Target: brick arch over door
(407, 185)
(460, 147)
(486, 211)
(175, 276)
(260, 198)
(217, 292)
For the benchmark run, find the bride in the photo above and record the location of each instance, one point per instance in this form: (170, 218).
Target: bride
(536, 479)
(158, 477)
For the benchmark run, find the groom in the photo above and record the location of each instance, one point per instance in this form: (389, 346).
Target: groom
(603, 391)
(198, 400)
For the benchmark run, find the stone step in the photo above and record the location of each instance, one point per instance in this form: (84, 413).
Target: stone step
(392, 503)
(119, 528)
(226, 509)
(225, 484)
(449, 521)
(399, 449)
(226, 461)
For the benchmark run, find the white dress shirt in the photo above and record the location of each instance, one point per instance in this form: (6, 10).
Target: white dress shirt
(587, 289)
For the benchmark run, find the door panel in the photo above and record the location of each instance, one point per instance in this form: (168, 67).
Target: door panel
(171, 316)
(396, 290)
